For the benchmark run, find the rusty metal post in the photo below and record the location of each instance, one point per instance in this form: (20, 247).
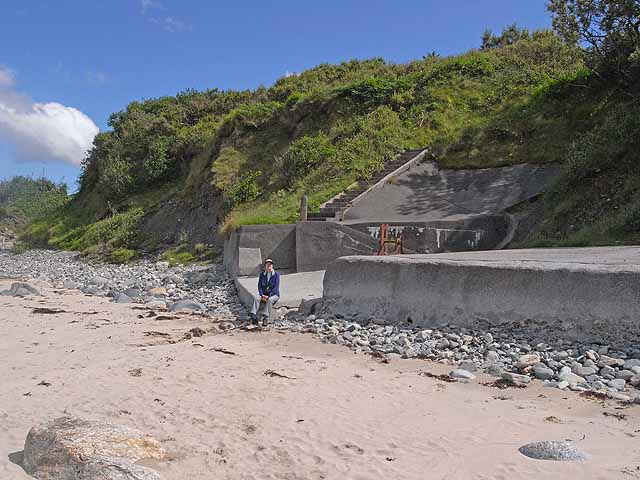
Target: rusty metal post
(303, 208)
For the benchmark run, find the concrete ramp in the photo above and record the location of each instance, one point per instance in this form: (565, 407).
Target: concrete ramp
(590, 293)
(294, 288)
(426, 193)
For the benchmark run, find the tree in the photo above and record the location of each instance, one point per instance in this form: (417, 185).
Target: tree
(608, 29)
(510, 35)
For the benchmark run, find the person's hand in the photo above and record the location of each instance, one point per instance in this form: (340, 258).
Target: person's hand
(264, 297)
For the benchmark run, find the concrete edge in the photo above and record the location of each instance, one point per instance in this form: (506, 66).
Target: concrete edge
(380, 183)
(514, 265)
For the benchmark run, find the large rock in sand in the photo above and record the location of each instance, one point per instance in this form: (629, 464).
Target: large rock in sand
(20, 289)
(188, 306)
(73, 449)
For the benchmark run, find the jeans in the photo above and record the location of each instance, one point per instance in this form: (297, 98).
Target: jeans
(258, 302)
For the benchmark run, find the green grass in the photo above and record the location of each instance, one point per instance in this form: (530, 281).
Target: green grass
(252, 154)
(186, 254)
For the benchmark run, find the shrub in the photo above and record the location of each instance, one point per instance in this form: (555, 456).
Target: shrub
(122, 255)
(245, 189)
(306, 154)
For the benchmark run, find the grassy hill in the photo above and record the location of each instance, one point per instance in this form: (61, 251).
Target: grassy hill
(172, 170)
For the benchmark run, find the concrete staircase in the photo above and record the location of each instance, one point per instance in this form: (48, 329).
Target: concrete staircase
(335, 208)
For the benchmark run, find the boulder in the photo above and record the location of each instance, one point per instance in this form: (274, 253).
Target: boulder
(74, 449)
(122, 298)
(516, 378)
(558, 451)
(633, 362)
(188, 305)
(571, 377)
(20, 289)
(132, 292)
(461, 374)
(525, 361)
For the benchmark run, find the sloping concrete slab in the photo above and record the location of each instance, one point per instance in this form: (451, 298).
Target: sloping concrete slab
(294, 287)
(590, 293)
(426, 193)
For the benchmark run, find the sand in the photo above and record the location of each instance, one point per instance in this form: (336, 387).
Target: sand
(339, 415)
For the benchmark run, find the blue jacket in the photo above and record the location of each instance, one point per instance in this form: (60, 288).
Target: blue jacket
(271, 287)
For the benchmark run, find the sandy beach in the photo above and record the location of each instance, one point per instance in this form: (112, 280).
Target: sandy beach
(233, 404)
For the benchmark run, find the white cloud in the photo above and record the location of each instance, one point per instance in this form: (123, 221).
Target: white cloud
(171, 24)
(43, 131)
(7, 77)
(145, 5)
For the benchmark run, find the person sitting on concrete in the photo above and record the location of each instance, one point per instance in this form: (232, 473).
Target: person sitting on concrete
(269, 292)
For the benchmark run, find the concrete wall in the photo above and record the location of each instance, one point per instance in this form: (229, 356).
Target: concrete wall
(277, 242)
(597, 301)
(320, 243)
(477, 233)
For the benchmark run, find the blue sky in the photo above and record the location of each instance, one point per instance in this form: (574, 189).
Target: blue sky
(92, 57)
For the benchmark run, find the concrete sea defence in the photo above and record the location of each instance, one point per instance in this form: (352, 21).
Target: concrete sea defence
(590, 292)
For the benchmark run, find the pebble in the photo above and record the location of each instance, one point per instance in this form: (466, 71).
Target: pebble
(461, 374)
(516, 351)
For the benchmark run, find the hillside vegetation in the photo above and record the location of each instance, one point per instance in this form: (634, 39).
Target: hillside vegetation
(172, 170)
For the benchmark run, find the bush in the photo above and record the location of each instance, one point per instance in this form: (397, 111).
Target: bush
(122, 255)
(245, 189)
(306, 154)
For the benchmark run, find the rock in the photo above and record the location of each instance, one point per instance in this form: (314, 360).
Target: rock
(132, 292)
(197, 277)
(495, 370)
(488, 338)
(410, 353)
(606, 370)
(635, 380)
(625, 374)
(558, 451)
(542, 373)
(629, 364)
(469, 366)
(617, 383)
(73, 449)
(606, 361)
(173, 278)
(563, 384)
(525, 361)
(98, 280)
(21, 289)
(188, 305)
(516, 378)
(491, 357)
(309, 306)
(71, 285)
(462, 374)
(157, 303)
(158, 292)
(583, 371)
(122, 298)
(570, 377)
(618, 396)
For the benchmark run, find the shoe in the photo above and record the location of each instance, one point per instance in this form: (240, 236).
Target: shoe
(265, 322)
(253, 319)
